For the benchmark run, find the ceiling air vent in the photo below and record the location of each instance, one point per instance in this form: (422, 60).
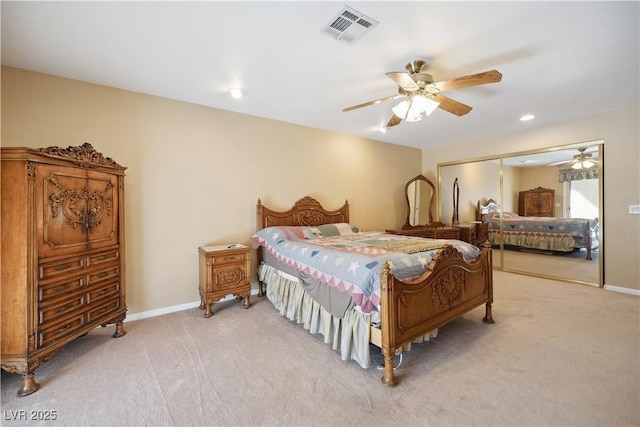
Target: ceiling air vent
(349, 26)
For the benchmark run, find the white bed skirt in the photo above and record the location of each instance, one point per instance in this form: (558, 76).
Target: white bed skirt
(349, 335)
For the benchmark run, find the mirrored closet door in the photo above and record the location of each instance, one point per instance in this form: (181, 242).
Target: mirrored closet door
(542, 208)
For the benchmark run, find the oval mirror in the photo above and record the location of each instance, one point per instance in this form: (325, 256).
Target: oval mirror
(420, 193)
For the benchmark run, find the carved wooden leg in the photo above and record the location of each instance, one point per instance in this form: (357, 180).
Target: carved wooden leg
(247, 302)
(201, 303)
(119, 329)
(260, 289)
(28, 384)
(488, 318)
(208, 313)
(388, 378)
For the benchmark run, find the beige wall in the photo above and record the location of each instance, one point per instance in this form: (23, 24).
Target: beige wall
(195, 173)
(620, 131)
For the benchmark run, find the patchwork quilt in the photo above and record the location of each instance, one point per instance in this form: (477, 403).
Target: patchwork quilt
(351, 260)
(546, 226)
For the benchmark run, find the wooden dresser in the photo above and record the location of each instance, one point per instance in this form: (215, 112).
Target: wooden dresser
(431, 231)
(536, 202)
(224, 270)
(62, 260)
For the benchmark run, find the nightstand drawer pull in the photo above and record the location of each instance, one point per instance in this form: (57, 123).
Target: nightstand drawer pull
(63, 287)
(103, 292)
(103, 274)
(63, 266)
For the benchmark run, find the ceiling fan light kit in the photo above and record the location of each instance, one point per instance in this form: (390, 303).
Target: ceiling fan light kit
(582, 160)
(424, 94)
(411, 110)
(583, 164)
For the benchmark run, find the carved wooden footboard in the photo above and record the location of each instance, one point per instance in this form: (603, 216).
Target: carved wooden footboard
(449, 289)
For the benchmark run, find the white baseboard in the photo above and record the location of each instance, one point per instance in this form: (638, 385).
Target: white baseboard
(172, 309)
(166, 310)
(622, 290)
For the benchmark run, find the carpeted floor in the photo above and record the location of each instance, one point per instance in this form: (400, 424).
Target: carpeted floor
(559, 354)
(570, 265)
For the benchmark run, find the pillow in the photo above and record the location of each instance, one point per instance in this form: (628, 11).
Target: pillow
(339, 229)
(298, 233)
(496, 215)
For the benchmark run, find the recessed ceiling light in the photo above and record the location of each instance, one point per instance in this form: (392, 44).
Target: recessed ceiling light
(236, 92)
(527, 117)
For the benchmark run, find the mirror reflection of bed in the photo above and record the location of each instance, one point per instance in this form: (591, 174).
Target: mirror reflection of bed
(574, 194)
(566, 242)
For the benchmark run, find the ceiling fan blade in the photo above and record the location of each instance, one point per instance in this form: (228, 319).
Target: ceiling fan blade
(377, 101)
(492, 76)
(451, 106)
(404, 80)
(560, 163)
(394, 121)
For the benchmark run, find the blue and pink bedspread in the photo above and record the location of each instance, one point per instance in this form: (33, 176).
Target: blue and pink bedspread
(351, 260)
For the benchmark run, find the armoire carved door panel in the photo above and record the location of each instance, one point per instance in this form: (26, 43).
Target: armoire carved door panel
(102, 205)
(80, 210)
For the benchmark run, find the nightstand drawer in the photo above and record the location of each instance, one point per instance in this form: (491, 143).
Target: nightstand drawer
(229, 258)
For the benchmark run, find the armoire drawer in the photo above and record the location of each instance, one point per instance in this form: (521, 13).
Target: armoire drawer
(103, 291)
(61, 267)
(49, 312)
(52, 331)
(108, 273)
(49, 291)
(103, 308)
(101, 258)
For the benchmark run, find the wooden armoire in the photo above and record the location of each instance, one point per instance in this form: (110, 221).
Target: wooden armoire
(536, 202)
(62, 261)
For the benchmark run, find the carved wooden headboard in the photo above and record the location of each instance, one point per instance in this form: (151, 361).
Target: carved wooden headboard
(490, 207)
(305, 212)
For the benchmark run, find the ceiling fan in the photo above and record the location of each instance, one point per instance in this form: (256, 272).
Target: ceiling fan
(424, 95)
(582, 160)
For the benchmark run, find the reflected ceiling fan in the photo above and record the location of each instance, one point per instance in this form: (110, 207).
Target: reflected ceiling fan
(423, 95)
(582, 160)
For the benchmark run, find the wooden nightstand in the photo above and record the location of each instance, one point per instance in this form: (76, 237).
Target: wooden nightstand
(467, 233)
(473, 232)
(224, 270)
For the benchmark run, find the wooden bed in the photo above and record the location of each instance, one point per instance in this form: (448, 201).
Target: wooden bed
(450, 287)
(538, 233)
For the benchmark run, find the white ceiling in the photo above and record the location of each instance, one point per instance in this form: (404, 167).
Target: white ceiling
(559, 60)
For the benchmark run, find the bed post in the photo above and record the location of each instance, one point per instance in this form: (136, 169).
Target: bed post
(387, 324)
(488, 317)
(259, 226)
